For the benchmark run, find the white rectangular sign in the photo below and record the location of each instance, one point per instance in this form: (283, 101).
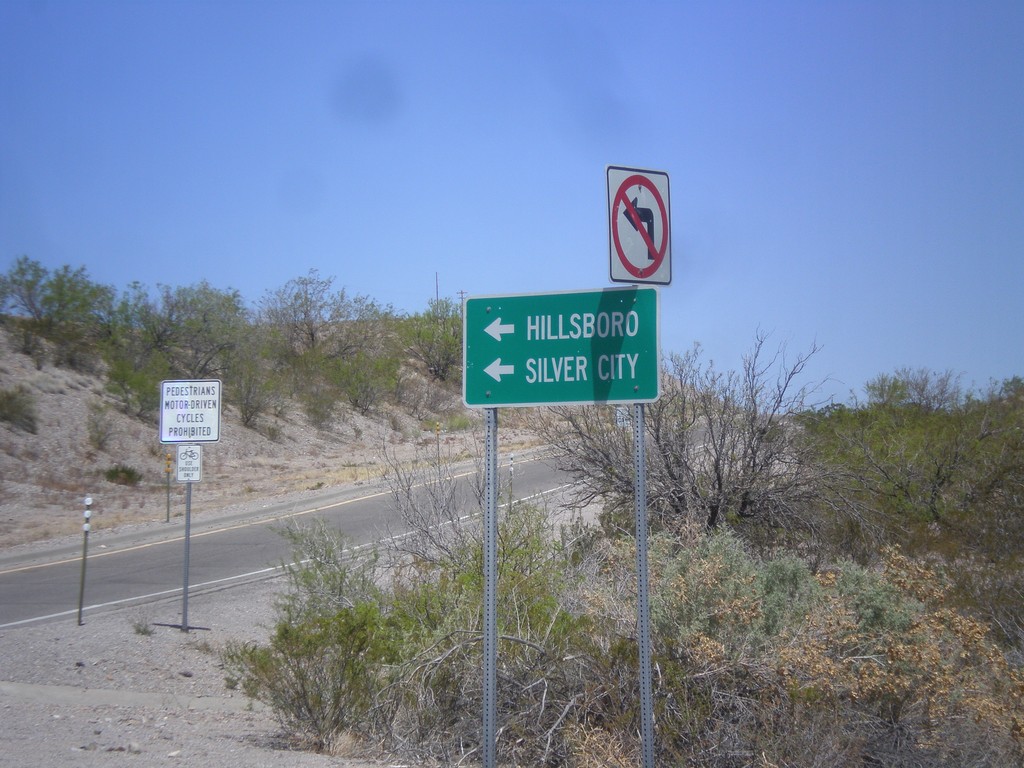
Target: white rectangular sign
(190, 464)
(190, 411)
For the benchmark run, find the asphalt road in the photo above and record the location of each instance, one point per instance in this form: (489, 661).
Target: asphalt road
(138, 567)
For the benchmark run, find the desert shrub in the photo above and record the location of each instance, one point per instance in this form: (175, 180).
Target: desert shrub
(762, 654)
(758, 660)
(717, 590)
(907, 682)
(321, 670)
(122, 474)
(788, 592)
(422, 399)
(458, 422)
(417, 683)
(256, 389)
(545, 651)
(99, 426)
(18, 408)
(324, 576)
(365, 379)
(319, 403)
(136, 385)
(938, 471)
(321, 674)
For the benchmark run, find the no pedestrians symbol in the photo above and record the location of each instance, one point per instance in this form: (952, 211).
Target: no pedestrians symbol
(639, 231)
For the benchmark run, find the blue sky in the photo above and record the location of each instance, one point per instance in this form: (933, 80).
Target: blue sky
(849, 174)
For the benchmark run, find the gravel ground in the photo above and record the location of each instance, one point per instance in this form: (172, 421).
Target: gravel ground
(106, 693)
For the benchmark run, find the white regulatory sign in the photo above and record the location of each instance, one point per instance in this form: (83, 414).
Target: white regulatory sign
(190, 411)
(190, 464)
(639, 230)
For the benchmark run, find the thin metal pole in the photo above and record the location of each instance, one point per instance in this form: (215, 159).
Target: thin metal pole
(642, 602)
(188, 530)
(85, 555)
(511, 478)
(167, 517)
(490, 589)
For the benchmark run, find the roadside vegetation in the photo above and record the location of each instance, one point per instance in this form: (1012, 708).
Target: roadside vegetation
(808, 608)
(831, 584)
(309, 341)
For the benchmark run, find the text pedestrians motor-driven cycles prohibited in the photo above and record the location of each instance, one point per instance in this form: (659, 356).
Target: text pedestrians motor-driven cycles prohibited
(190, 411)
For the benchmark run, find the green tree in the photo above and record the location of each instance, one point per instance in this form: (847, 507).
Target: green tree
(434, 338)
(365, 379)
(76, 314)
(207, 324)
(254, 383)
(64, 307)
(137, 360)
(329, 345)
(309, 315)
(190, 332)
(24, 288)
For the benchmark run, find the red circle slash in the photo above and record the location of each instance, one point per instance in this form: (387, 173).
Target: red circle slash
(658, 253)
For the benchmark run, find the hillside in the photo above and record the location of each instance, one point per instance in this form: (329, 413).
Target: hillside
(80, 434)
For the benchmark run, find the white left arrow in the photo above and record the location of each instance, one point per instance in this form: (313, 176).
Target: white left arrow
(496, 370)
(496, 329)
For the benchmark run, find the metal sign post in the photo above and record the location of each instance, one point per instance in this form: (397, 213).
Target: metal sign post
(189, 470)
(189, 413)
(643, 609)
(490, 588)
(184, 589)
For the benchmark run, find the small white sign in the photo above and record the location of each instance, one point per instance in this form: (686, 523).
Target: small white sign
(190, 464)
(623, 418)
(190, 411)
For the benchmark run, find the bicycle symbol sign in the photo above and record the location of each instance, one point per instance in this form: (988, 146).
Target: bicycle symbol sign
(190, 464)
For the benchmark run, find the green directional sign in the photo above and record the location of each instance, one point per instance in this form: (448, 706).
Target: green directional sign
(561, 348)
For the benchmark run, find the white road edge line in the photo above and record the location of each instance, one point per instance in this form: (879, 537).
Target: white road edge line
(215, 582)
